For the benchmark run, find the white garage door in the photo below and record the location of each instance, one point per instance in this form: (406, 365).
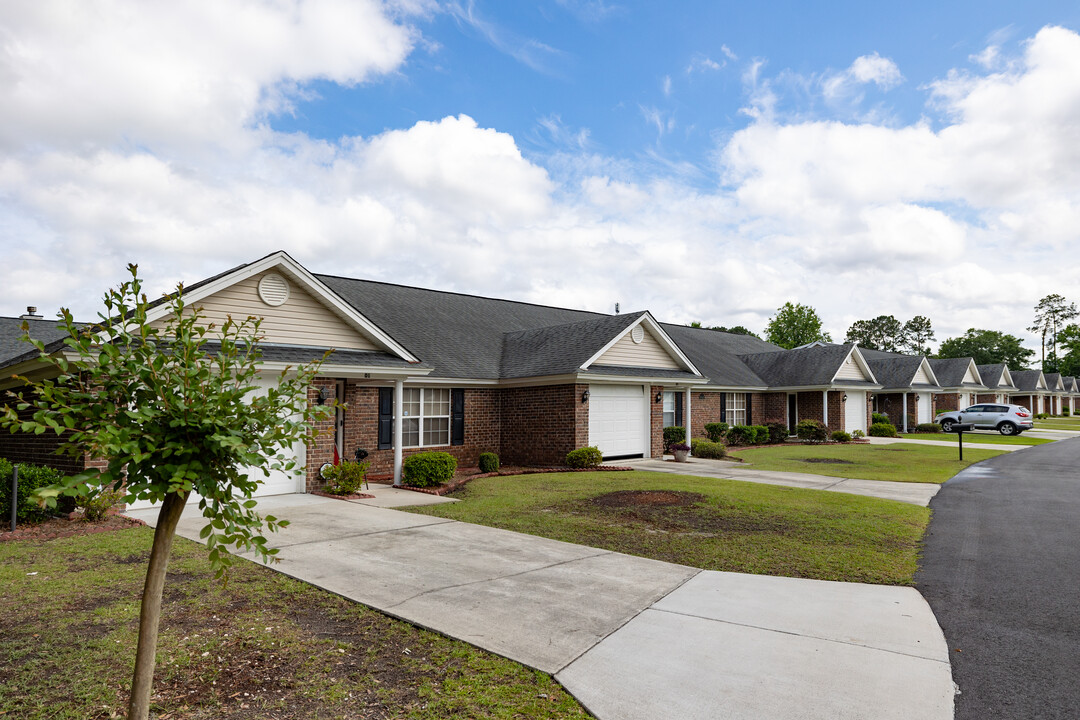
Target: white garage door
(278, 483)
(617, 420)
(925, 408)
(855, 411)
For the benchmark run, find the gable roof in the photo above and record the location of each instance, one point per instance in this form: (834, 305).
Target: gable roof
(1070, 384)
(815, 366)
(1029, 380)
(996, 376)
(898, 371)
(950, 372)
(560, 349)
(1053, 382)
(716, 354)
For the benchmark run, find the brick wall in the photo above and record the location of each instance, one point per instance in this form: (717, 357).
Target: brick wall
(836, 410)
(540, 425)
(705, 410)
(945, 402)
(810, 406)
(656, 422)
(36, 449)
(768, 407)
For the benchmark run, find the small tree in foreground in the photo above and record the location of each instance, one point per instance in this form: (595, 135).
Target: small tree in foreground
(173, 410)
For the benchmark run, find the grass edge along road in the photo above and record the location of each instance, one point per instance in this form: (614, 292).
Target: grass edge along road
(981, 436)
(898, 462)
(705, 522)
(264, 645)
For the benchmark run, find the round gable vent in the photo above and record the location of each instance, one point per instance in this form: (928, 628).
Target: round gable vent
(274, 289)
(637, 334)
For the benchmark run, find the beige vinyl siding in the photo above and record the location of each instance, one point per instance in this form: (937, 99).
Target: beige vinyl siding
(648, 353)
(301, 320)
(922, 377)
(969, 376)
(850, 370)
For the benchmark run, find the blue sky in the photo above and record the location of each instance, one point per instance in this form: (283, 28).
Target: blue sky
(706, 161)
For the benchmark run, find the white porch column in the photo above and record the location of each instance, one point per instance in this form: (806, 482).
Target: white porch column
(399, 412)
(689, 392)
(905, 411)
(825, 407)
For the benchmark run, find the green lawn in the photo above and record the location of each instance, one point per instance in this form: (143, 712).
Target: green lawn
(980, 437)
(900, 462)
(704, 522)
(264, 646)
(1059, 423)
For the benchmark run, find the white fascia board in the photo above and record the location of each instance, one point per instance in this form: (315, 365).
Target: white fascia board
(649, 322)
(975, 372)
(351, 371)
(1040, 384)
(599, 379)
(281, 261)
(874, 387)
(860, 361)
(1006, 378)
(733, 389)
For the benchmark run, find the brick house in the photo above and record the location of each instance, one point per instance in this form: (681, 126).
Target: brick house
(999, 384)
(1031, 390)
(959, 383)
(419, 369)
(908, 388)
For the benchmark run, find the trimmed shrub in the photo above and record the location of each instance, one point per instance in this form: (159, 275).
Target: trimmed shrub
(927, 428)
(882, 429)
(428, 469)
(1042, 416)
(715, 431)
(778, 432)
(858, 434)
(811, 431)
(488, 462)
(96, 504)
(1064, 412)
(876, 418)
(31, 477)
(707, 449)
(840, 436)
(346, 478)
(748, 435)
(586, 457)
(673, 434)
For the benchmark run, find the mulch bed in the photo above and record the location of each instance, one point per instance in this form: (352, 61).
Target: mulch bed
(60, 527)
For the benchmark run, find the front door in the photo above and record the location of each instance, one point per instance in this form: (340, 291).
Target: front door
(792, 412)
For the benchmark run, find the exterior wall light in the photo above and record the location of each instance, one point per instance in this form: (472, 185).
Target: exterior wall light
(585, 396)
(659, 396)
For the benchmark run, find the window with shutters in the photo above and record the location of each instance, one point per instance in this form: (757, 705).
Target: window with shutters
(736, 408)
(426, 417)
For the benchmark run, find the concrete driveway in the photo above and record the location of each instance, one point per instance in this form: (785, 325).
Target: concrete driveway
(629, 637)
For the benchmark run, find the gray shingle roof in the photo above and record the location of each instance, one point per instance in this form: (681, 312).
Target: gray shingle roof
(460, 335)
(809, 367)
(356, 358)
(1026, 380)
(621, 371)
(716, 354)
(950, 372)
(992, 375)
(13, 349)
(894, 372)
(559, 349)
(1052, 381)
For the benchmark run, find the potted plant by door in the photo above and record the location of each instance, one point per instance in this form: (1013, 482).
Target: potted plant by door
(680, 451)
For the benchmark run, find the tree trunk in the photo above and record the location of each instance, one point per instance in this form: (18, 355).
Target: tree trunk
(150, 612)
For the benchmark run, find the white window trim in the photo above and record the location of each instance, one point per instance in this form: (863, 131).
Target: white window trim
(422, 417)
(731, 403)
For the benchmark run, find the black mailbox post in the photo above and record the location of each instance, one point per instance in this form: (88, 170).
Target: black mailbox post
(960, 429)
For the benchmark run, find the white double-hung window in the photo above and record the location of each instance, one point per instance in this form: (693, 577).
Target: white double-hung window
(426, 418)
(736, 408)
(669, 409)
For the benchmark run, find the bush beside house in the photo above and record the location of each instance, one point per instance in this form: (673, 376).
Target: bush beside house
(428, 469)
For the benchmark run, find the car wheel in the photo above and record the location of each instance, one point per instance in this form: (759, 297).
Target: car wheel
(946, 425)
(1007, 428)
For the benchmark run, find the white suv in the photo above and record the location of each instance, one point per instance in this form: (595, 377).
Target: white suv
(1006, 419)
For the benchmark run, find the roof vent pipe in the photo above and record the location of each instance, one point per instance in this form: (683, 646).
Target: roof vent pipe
(31, 314)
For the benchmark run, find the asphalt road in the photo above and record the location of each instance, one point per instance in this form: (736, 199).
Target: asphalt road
(1001, 570)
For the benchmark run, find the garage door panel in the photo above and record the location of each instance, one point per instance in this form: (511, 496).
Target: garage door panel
(617, 419)
(855, 411)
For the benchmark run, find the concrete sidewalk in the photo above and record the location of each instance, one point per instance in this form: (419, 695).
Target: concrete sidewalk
(914, 493)
(629, 637)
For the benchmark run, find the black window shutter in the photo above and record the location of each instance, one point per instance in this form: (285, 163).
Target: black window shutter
(678, 408)
(749, 408)
(457, 416)
(386, 418)
(723, 407)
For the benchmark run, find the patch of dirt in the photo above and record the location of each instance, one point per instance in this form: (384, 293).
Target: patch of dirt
(634, 498)
(60, 527)
(826, 461)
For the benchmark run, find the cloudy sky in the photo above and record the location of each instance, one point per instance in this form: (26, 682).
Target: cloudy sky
(702, 161)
